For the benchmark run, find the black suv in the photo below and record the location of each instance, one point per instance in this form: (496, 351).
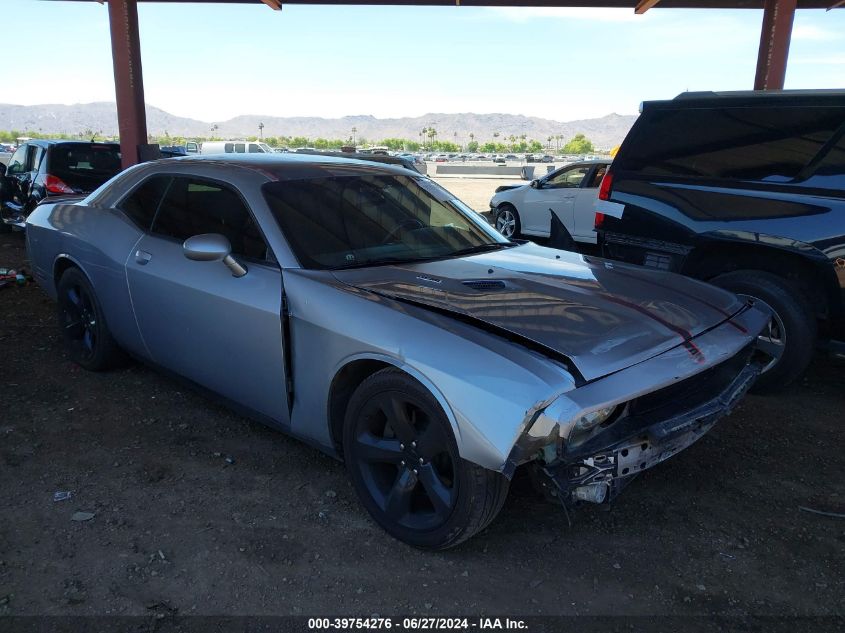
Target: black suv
(747, 191)
(42, 168)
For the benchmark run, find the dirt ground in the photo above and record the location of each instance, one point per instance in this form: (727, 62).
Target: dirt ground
(476, 192)
(199, 511)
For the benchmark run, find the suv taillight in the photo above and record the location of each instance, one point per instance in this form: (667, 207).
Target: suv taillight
(606, 185)
(599, 221)
(56, 185)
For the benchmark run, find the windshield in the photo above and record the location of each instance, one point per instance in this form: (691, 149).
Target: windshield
(84, 166)
(362, 220)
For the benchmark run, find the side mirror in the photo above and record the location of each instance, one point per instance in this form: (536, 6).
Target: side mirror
(212, 247)
(2, 170)
(535, 184)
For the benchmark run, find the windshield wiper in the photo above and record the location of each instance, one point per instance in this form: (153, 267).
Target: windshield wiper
(382, 261)
(481, 248)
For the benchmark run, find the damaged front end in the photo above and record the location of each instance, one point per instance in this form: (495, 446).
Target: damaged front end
(596, 472)
(585, 447)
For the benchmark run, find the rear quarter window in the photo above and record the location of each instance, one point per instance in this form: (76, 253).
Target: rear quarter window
(143, 203)
(772, 144)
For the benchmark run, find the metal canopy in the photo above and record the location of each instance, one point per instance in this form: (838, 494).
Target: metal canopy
(775, 37)
(612, 4)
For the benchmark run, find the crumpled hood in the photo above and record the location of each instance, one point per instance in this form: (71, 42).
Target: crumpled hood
(604, 316)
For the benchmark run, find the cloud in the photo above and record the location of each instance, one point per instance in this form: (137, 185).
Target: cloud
(524, 14)
(812, 33)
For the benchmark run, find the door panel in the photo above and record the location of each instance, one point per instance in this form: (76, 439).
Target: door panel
(534, 213)
(584, 216)
(219, 331)
(558, 193)
(18, 178)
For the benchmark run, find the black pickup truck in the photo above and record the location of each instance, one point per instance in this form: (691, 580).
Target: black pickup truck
(747, 191)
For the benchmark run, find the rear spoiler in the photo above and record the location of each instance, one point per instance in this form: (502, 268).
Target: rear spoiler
(70, 198)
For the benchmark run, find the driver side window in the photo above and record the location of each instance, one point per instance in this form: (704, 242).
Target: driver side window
(17, 163)
(193, 206)
(568, 177)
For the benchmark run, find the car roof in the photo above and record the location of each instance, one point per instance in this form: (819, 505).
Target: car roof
(290, 166)
(60, 141)
(740, 98)
(595, 161)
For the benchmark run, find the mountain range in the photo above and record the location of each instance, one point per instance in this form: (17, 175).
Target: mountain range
(101, 117)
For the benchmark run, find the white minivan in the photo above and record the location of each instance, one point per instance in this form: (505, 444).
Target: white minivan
(228, 147)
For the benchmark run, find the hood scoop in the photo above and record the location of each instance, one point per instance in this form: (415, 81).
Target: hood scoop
(485, 285)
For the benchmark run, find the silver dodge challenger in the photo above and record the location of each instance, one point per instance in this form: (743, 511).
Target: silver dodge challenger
(367, 311)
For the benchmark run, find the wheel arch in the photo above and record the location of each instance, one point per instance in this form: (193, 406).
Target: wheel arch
(62, 263)
(351, 372)
(506, 203)
(806, 269)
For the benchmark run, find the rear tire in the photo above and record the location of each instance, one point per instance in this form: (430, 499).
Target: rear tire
(83, 326)
(792, 331)
(507, 220)
(403, 460)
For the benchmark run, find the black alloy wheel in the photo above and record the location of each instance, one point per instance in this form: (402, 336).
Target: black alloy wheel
(79, 322)
(403, 460)
(83, 327)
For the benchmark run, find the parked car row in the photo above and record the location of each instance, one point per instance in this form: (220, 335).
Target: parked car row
(743, 190)
(499, 158)
(40, 170)
(363, 308)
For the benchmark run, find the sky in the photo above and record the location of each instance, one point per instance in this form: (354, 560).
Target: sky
(214, 62)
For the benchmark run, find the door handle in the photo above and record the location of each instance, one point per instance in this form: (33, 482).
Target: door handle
(143, 257)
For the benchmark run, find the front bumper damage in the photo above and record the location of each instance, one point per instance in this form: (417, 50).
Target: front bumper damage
(660, 407)
(597, 476)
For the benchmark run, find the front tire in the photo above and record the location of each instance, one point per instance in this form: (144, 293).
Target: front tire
(403, 460)
(790, 337)
(84, 330)
(507, 220)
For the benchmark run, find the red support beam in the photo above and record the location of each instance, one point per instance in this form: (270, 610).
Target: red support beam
(775, 36)
(128, 79)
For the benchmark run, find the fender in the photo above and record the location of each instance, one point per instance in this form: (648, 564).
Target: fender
(418, 375)
(785, 244)
(823, 268)
(52, 282)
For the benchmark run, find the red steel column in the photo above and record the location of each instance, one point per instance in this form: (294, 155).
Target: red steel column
(128, 78)
(774, 44)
